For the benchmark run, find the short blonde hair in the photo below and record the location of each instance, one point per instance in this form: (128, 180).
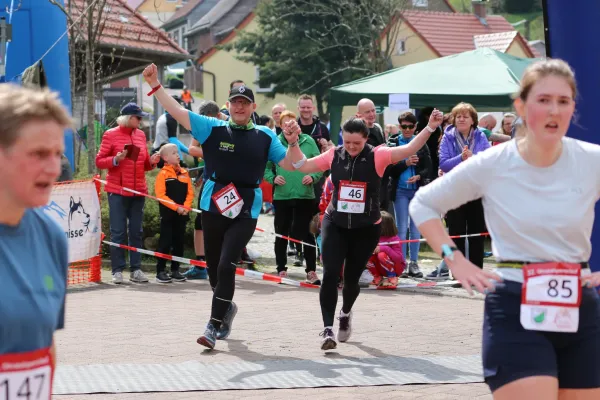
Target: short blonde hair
(167, 147)
(466, 108)
(305, 97)
(287, 114)
(19, 105)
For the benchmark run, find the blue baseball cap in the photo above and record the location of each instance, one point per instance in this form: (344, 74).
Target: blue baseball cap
(133, 109)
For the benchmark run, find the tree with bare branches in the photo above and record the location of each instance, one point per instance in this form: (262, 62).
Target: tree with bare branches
(86, 21)
(308, 46)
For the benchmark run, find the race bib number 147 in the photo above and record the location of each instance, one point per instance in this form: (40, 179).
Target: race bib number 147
(26, 376)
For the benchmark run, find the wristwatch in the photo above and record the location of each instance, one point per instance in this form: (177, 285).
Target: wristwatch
(448, 251)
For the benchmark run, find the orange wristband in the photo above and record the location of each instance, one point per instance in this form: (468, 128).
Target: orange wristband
(154, 90)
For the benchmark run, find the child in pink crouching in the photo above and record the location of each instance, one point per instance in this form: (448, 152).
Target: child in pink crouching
(387, 262)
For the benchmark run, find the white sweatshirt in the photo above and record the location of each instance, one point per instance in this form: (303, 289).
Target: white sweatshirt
(532, 213)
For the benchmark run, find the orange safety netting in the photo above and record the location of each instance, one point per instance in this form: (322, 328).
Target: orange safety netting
(85, 271)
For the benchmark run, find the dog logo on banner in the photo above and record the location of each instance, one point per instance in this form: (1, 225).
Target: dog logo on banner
(78, 217)
(76, 209)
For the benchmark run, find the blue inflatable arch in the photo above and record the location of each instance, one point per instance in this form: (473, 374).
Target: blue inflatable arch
(36, 27)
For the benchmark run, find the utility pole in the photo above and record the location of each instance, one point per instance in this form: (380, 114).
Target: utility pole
(5, 37)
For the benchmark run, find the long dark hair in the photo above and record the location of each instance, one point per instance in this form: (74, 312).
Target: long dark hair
(388, 225)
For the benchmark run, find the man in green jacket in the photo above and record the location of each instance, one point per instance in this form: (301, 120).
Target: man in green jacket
(294, 201)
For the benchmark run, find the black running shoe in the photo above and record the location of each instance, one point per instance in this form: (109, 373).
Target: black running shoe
(162, 277)
(178, 276)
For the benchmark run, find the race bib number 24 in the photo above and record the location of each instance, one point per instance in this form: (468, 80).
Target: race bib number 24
(228, 201)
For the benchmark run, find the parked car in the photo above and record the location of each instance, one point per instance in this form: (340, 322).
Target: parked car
(174, 74)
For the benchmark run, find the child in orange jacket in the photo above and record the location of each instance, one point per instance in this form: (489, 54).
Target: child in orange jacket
(173, 184)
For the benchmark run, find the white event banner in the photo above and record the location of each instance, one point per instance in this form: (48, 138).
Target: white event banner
(76, 209)
(398, 101)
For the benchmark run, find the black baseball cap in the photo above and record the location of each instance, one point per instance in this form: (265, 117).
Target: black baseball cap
(133, 109)
(241, 91)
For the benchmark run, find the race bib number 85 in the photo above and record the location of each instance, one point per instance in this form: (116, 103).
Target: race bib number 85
(26, 376)
(551, 297)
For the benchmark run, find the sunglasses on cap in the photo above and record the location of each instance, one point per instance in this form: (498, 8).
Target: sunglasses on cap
(407, 126)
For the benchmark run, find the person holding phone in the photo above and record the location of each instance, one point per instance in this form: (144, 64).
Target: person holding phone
(124, 154)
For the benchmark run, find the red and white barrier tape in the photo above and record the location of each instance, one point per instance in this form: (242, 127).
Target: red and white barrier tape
(424, 240)
(238, 271)
(260, 229)
(261, 275)
(194, 210)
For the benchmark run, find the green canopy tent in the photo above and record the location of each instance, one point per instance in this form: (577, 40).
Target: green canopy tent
(483, 77)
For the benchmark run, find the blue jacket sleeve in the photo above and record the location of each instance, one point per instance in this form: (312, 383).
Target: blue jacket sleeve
(447, 159)
(180, 146)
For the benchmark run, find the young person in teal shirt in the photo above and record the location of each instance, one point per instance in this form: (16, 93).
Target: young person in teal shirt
(33, 248)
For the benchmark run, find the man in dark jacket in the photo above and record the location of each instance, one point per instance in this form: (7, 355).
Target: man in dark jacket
(432, 142)
(310, 123)
(365, 110)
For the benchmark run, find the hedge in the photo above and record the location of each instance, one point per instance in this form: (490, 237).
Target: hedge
(151, 221)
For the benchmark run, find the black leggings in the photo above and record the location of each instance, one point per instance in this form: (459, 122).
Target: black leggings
(292, 217)
(350, 248)
(224, 240)
(468, 219)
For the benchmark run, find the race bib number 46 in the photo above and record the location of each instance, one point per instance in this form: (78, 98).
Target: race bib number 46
(352, 197)
(228, 201)
(551, 297)
(26, 376)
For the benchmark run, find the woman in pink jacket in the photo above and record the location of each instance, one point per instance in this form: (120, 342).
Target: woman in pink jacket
(387, 262)
(124, 154)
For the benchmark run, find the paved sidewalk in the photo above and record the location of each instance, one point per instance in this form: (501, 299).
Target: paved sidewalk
(154, 323)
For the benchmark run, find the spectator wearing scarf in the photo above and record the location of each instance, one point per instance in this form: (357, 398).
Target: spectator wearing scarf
(460, 142)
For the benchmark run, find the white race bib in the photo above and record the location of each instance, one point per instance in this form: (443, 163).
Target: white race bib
(352, 197)
(26, 376)
(228, 201)
(551, 297)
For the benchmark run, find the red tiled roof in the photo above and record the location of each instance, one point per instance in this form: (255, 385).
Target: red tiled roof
(452, 33)
(123, 27)
(135, 3)
(183, 11)
(498, 41)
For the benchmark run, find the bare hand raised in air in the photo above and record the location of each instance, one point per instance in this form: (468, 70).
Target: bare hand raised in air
(151, 75)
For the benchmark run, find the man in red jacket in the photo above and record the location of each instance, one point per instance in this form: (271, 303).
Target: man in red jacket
(124, 154)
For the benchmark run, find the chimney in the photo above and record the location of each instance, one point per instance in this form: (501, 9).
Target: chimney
(479, 8)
